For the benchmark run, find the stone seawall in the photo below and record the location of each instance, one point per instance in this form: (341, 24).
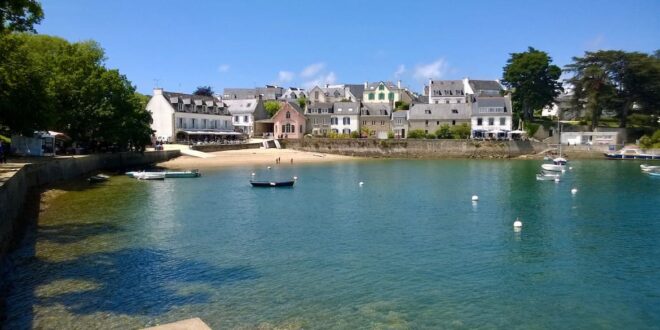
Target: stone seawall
(418, 148)
(225, 147)
(14, 187)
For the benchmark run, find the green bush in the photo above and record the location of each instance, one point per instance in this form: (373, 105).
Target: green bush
(461, 131)
(430, 136)
(416, 134)
(355, 135)
(652, 141)
(531, 128)
(443, 132)
(390, 135)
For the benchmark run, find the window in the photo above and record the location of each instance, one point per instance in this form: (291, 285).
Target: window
(454, 111)
(427, 111)
(293, 128)
(382, 123)
(373, 122)
(502, 121)
(316, 95)
(203, 123)
(399, 121)
(288, 115)
(193, 123)
(381, 87)
(339, 110)
(453, 123)
(491, 121)
(436, 102)
(390, 96)
(426, 123)
(300, 127)
(458, 101)
(334, 120)
(381, 96)
(480, 121)
(246, 119)
(371, 96)
(364, 122)
(180, 123)
(446, 101)
(437, 122)
(180, 106)
(346, 120)
(346, 131)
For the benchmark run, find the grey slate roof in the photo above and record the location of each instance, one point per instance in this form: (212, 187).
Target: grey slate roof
(174, 97)
(488, 86)
(446, 88)
(241, 106)
(342, 108)
(356, 90)
(388, 84)
(503, 102)
(400, 114)
(376, 109)
(314, 107)
(441, 111)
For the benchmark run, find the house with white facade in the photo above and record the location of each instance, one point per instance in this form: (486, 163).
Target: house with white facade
(185, 117)
(346, 117)
(319, 117)
(245, 112)
(491, 117)
(335, 93)
(429, 117)
(293, 93)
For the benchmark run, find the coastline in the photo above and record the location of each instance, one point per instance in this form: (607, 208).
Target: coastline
(253, 157)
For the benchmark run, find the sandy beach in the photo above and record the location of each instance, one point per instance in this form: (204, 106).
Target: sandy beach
(235, 158)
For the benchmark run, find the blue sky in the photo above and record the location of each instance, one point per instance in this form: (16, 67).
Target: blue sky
(180, 45)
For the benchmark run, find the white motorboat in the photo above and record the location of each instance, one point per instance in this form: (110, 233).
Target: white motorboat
(649, 168)
(149, 175)
(553, 167)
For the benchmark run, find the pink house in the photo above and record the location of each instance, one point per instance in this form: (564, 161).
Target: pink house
(289, 122)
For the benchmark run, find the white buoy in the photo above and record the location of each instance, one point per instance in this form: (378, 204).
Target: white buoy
(563, 170)
(517, 223)
(295, 178)
(475, 198)
(570, 168)
(574, 191)
(556, 179)
(361, 183)
(253, 174)
(269, 167)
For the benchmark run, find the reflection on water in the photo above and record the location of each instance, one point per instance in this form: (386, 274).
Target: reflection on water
(408, 249)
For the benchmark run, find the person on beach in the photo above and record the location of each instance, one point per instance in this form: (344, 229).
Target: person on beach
(291, 160)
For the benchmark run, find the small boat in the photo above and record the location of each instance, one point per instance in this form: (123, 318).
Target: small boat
(149, 175)
(631, 153)
(272, 183)
(545, 176)
(98, 178)
(653, 173)
(182, 174)
(649, 168)
(553, 167)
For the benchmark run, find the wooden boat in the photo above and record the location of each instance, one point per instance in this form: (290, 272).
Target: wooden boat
(98, 178)
(272, 184)
(631, 153)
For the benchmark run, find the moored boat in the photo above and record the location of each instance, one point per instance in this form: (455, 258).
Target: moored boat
(631, 153)
(149, 175)
(553, 167)
(182, 174)
(649, 168)
(270, 184)
(98, 178)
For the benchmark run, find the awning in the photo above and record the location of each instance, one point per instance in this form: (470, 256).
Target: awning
(209, 103)
(5, 139)
(517, 132)
(174, 99)
(198, 102)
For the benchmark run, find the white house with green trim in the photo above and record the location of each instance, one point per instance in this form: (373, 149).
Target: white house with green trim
(385, 92)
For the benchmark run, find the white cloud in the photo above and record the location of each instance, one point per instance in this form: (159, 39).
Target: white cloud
(223, 68)
(400, 71)
(312, 69)
(321, 80)
(434, 70)
(285, 76)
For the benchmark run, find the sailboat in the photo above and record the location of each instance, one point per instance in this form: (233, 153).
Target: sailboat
(559, 163)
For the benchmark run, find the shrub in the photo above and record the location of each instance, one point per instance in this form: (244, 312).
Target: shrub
(461, 131)
(390, 135)
(531, 129)
(355, 135)
(652, 141)
(416, 134)
(444, 132)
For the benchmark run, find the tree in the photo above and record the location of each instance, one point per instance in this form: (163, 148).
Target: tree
(19, 15)
(203, 91)
(365, 131)
(400, 105)
(417, 134)
(534, 81)
(631, 79)
(272, 107)
(443, 132)
(461, 131)
(302, 102)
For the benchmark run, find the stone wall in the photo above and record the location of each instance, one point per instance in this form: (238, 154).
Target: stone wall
(411, 148)
(225, 147)
(14, 188)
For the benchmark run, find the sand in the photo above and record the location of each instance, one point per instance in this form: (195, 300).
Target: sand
(266, 157)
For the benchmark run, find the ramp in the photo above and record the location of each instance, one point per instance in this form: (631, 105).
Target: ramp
(277, 144)
(195, 153)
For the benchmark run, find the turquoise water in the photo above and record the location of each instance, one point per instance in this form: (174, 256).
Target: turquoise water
(407, 250)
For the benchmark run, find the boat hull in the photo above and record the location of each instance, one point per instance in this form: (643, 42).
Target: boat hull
(553, 167)
(184, 174)
(272, 184)
(638, 156)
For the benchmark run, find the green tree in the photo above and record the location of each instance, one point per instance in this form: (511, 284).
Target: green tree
(443, 132)
(302, 102)
(462, 131)
(365, 131)
(417, 134)
(534, 81)
(19, 15)
(400, 105)
(272, 107)
(203, 91)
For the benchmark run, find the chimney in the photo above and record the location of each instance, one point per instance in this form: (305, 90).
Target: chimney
(158, 91)
(398, 84)
(365, 84)
(327, 85)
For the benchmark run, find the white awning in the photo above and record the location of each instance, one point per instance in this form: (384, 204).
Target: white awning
(198, 102)
(186, 101)
(210, 132)
(174, 99)
(209, 103)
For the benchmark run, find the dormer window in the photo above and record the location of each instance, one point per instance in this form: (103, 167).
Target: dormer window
(381, 87)
(427, 111)
(288, 115)
(454, 111)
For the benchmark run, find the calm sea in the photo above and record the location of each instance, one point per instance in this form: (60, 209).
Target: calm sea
(406, 250)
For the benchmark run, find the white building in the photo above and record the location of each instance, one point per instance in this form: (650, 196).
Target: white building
(178, 116)
(245, 112)
(346, 117)
(491, 117)
(449, 91)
